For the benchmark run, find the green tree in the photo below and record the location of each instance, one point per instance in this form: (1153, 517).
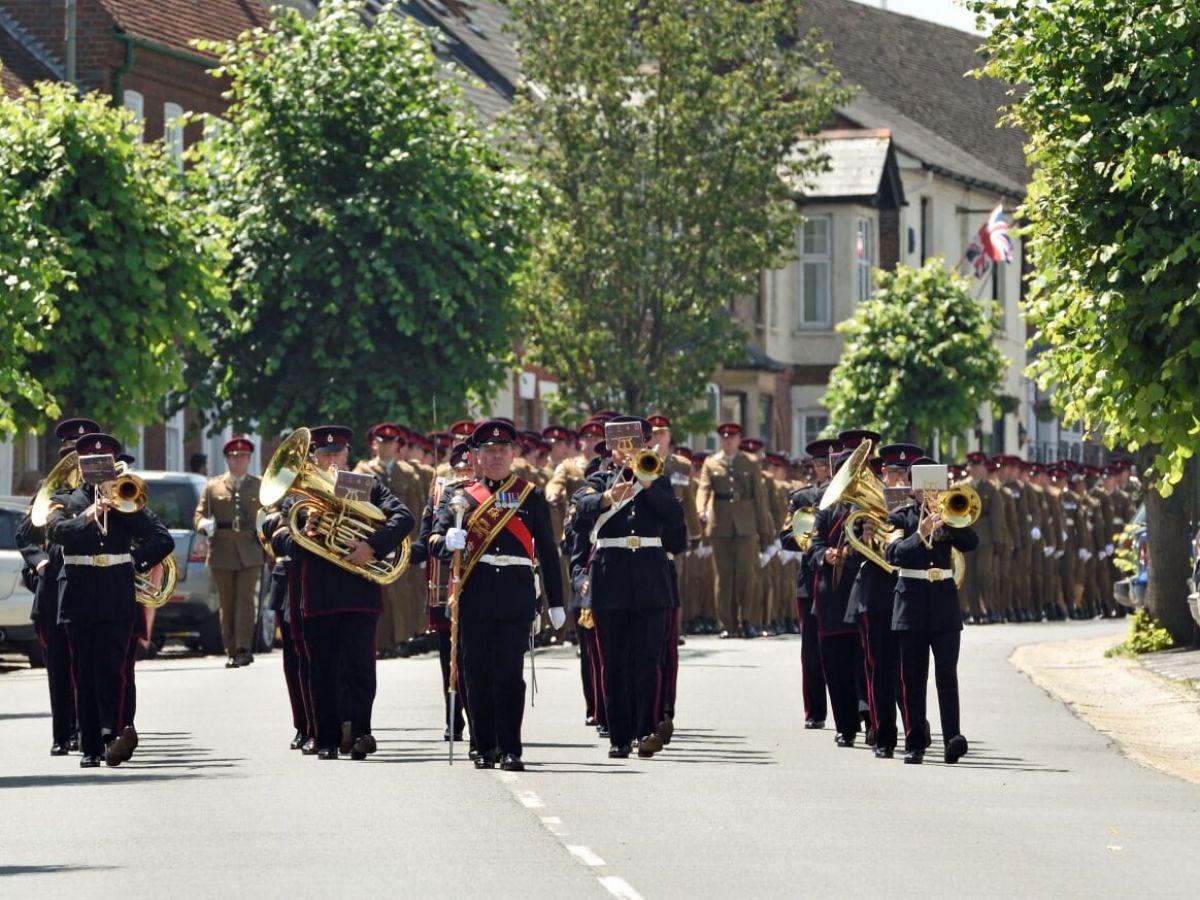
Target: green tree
(376, 233)
(105, 264)
(919, 357)
(660, 130)
(1108, 99)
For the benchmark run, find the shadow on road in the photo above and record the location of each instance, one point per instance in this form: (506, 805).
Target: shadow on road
(27, 715)
(85, 778)
(49, 870)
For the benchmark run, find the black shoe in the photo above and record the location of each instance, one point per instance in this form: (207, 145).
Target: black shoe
(590, 721)
(59, 750)
(649, 745)
(363, 747)
(485, 761)
(120, 749)
(243, 657)
(231, 663)
(914, 757)
(510, 762)
(621, 752)
(310, 747)
(446, 735)
(928, 737)
(814, 723)
(327, 753)
(956, 748)
(73, 743)
(843, 741)
(90, 762)
(884, 753)
(298, 741)
(602, 731)
(347, 743)
(666, 729)
(727, 634)
(870, 737)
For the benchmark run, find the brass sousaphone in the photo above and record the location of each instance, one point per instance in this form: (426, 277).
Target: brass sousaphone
(343, 523)
(857, 485)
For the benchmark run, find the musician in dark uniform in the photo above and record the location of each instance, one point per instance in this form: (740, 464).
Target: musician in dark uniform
(928, 618)
(871, 604)
(633, 525)
(97, 601)
(812, 672)
(43, 562)
(341, 609)
(506, 533)
(577, 545)
(437, 579)
(834, 564)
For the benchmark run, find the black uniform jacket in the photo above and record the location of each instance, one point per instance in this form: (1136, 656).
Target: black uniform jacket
(504, 593)
(832, 584)
(926, 605)
(623, 578)
(94, 593)
(44, 585)
(808, 496)
(874, 593)
(577, 544)
(327, 589)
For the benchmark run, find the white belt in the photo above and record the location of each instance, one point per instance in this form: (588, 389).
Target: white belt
(493, 560)
(102, 560)
(632, 542)
(926, 574)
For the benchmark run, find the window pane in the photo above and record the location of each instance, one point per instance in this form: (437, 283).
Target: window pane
(816, 237)
(816, 292)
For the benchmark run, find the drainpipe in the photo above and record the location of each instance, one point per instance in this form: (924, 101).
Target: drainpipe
(70, 8)
(119, 75)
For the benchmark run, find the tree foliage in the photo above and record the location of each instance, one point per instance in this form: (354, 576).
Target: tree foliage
(103, 262)
(919, 357)
(660, 130)
(376, 233)
(1108, 100)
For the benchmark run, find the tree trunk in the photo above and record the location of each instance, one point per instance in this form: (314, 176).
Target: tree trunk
(1168, 540)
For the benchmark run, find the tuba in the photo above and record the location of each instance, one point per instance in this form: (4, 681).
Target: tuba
(804, 521)
(343, 522)
(857, 485)
(154, 588)
(63, 477)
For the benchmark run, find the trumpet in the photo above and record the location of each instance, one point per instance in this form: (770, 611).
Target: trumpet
(646, 465)
(127, 493)
(340, 523)
(958, 507)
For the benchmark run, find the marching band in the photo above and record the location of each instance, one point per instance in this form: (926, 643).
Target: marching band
(873, 553)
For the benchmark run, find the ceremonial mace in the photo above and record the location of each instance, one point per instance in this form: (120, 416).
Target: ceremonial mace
(458, 505)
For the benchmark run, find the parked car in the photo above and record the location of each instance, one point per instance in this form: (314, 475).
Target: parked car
(1130, 591)
(192, 614)
(16, 628)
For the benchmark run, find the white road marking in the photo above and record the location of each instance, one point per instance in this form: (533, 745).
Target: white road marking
(530, 800)
(619, 887)
(584, 855)
(554, 825)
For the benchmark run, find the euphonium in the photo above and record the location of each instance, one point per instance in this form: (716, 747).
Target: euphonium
(646, 465)
(152, 594)
(343, 523)
(63, 477)
(857, 485)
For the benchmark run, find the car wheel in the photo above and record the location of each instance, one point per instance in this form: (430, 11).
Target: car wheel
(210, 636)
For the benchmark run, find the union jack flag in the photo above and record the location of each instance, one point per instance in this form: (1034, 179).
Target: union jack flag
(993, 236)
(977, 258)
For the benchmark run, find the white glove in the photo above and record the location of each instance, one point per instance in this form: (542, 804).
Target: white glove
(456, 539)
(208, 526)
(1059, 554)
(558, 617)
(1108, 549)
(764, 558)
(1064, 535)
(1047, 551)
(1084, 553)
(1035, 533)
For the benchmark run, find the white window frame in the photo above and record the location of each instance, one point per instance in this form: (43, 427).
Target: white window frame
(136, 103)
(825, 260)
(33, 459)
(864, 286)
(173, 132)
(173, 442)
(6, 467)
(800, 427)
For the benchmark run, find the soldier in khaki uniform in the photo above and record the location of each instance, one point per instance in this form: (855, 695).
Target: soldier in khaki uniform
(731, 504)
(1003, 587)
(783, 575)
(679, 470)
(1018, 567)
(397, 620)
(756, 610)
(1053, 539)
(976, 594)
(226, 513)
(701, 571)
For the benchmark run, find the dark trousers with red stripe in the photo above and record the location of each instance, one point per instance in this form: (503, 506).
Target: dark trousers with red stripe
(915, 647)
(881, 650)
(291, 675)
(839, 658)
(341, 649)
(630, 658)
(493, 661)
(98, 653)
(56, 650)
(129, 700)
(591, 675)
(669, 675)
(812, 671)
(460, 699)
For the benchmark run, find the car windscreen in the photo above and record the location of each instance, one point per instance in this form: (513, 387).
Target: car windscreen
(10, 521)
(174, 502)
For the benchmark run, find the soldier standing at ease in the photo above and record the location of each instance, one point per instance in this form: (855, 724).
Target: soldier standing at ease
(732, 507)
(226, 513)
(977, 588)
